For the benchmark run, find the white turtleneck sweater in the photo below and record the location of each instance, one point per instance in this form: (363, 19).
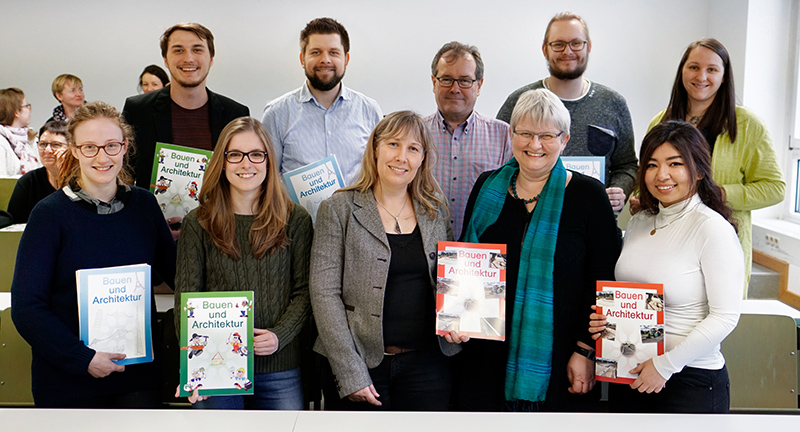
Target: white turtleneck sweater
(695, 253)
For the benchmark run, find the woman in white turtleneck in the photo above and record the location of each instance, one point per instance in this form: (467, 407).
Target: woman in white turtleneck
(17, 153)
(683, 238)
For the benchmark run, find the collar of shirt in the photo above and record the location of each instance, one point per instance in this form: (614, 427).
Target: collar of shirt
(306, 96)
(76, 194)
(445, 126)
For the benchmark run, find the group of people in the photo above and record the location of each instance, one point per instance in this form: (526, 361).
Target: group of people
(366, 269)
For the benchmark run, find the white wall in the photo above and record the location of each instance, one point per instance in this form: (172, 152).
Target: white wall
(636, 46)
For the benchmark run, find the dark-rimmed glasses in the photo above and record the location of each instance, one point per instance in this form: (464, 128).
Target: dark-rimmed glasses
(559, 46)
(56, 146)
(544, 137)
(463, 83)
(91, 150)
(255, 156)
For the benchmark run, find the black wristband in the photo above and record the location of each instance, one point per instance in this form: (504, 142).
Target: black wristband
(584, 352)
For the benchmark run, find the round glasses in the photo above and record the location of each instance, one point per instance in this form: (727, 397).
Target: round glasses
(559, 46)
(91, 150)
(544, 137)
(56, 146)
(256, 156)
(463, 83)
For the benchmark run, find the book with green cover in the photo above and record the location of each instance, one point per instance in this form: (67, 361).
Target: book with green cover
(177, 177)
(216, 343)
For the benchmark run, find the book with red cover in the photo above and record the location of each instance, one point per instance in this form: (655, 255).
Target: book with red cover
(635, 329)
(471, 290)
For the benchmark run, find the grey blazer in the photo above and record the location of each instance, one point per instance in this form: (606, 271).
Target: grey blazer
(349, 266)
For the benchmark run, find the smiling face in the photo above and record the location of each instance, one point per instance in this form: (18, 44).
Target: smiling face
(150, 83)
(536, 158)
(456, 103)
(666, 176)
(567, 64)
(71, 96)
(48, 155)
(245, 177)
(398, 159)
(324, 61)
(188, 59)
(100, 171)
(702, 76)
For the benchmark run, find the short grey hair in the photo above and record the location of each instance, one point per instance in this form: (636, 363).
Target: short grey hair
(541, 106)
(453, 51)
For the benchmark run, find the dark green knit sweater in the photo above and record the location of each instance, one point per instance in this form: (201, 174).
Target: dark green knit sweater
(279, 281)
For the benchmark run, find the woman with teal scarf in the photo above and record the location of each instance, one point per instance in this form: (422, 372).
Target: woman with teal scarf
(561, 237)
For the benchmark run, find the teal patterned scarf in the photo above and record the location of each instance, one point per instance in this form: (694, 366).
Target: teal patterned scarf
(530, 339)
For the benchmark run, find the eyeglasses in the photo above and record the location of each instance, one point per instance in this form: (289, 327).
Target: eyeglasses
(256, 156)
(56, 146)
(559, 46)
(25, 106)
(463, 83)
(544, 137)
(91, 150)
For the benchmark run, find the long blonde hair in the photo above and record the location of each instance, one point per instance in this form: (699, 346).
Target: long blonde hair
(70, 168)
(423, 188)
(273, 207)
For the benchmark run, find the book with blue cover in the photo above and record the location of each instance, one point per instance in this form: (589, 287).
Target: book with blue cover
(216, 352)
(115, 311)
(592, 166)
(311, 184)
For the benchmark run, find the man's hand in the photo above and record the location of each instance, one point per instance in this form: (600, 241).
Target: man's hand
(367, 394)
(616, 196)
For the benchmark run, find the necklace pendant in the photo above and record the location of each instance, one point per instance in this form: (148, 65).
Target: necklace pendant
(653, 232)
(397, 226)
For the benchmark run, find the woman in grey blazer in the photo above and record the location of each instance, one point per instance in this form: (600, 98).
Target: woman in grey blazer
(372, 276)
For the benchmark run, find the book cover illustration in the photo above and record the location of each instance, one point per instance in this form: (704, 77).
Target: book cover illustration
(471, 290)
(114, 311)
(216, 354)
(592, 166)
(635, 329)
(177, 178)
(311, 184)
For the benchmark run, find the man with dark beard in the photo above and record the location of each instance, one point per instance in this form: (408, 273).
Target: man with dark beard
(185, 112)
(601, 122)
(322, 117)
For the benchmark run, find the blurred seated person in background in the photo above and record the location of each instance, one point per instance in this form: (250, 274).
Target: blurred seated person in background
(152, 78)
(17, 153)
(33, 186)
(68, 89)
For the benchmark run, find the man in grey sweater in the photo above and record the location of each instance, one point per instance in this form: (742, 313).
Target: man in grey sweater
(601, 122)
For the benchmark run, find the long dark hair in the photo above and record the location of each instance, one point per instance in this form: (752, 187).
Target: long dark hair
(721, 115)
(692, 146)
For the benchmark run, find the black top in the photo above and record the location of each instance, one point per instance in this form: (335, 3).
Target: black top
(408, 306)
(31, 188)
(587, 249)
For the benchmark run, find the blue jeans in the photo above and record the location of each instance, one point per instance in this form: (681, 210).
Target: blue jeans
(271, 391)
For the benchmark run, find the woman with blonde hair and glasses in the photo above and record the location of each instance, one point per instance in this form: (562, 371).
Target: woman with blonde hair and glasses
(372, 276)
(96, 219)
(247, 235)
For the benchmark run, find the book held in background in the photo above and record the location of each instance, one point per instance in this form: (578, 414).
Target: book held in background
(311, 184)
(216, 343)
(635, 329)
(177, 177)
(114, 311)
(471, 290)
(592, 166)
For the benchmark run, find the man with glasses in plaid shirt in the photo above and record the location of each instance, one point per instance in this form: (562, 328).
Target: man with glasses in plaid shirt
(468, 143)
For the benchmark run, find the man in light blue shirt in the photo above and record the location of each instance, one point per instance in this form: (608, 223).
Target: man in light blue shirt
(322, 117)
